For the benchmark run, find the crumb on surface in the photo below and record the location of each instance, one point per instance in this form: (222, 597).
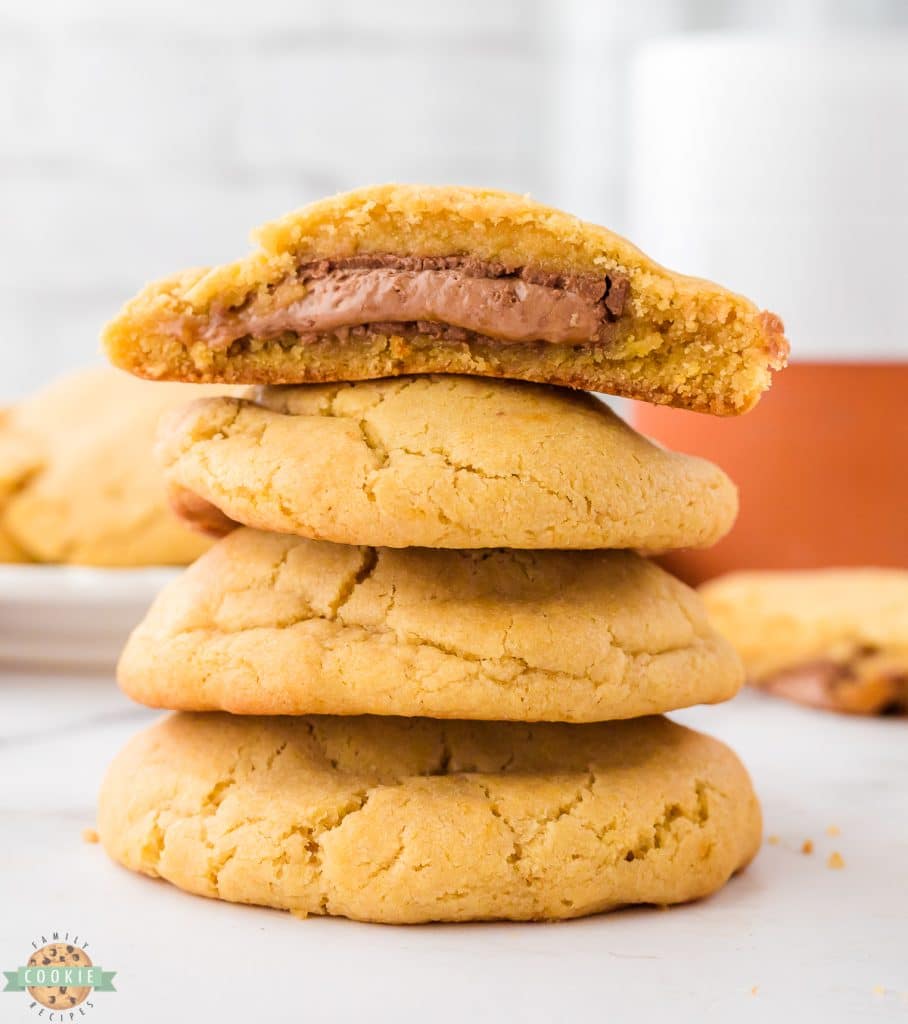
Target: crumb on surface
(753, 991)
(807, 846)
(833, 830)
(773, 840)
(835, 861)
(879, 990)
(90, 835)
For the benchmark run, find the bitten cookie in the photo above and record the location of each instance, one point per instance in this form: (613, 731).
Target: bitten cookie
(443, 462)
(831, 638)
(267, 623)
(78, 480)
(400, 279)
(409, 820)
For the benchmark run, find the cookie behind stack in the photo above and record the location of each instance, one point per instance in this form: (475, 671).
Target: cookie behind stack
(405, 552)
(78, 483)
(828, 638)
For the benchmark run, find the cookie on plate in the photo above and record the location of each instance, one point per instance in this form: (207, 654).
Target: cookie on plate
(20, 458)
(9, 549)
(399, 279)
(408, 820)
(828, 638)
(443, 462)
(21, 455)
(78, 480)
(268, 623)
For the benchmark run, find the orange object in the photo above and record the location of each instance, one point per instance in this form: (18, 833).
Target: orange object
(821, 465)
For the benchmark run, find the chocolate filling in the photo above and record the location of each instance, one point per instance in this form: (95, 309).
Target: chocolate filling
(841, 686)
(453, 297)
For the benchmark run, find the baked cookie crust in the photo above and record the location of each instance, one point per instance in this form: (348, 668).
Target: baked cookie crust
(664, 338)
(444, 462)
(268, 623)
(78, 480)
(9, 549)
(21, 456)
(828, 638)
(411, 820)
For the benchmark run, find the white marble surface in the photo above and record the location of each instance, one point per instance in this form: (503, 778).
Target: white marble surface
(788, 939)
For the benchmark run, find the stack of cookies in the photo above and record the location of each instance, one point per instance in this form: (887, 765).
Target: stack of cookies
(421, 675)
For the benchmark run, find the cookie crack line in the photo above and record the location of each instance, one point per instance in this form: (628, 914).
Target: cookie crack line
(369, 434)
(391, 862)
(366, 568)
(386, 453)
(664, 827)
(524, 479)
(210, 806)
(312, 836)
(509, 667)
(505, 666)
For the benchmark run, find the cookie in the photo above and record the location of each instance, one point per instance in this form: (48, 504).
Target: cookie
(407, 820)
(78, 480)
(400, 279)
(59, 997)
(267, 623)
(443, 462)
(828, 638)
(9, 549)
(21, 456)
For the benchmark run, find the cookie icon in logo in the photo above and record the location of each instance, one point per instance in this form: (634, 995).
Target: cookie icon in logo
(59, 976)
(59, 954)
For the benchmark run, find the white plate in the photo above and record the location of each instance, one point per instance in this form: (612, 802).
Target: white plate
(72, 616)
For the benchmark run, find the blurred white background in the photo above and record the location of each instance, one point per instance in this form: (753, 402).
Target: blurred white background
(142, 137)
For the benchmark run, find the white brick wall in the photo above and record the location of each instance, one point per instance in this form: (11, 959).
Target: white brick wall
(141, 136)
(591, 49)
(390, 113)
(144, 137)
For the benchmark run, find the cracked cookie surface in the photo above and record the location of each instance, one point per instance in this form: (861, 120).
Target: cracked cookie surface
(828, 638)
(78, 480)
(411, 820)
(268, 623)
(442, 462)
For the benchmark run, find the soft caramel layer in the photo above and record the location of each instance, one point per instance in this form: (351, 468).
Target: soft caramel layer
(448, 293)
